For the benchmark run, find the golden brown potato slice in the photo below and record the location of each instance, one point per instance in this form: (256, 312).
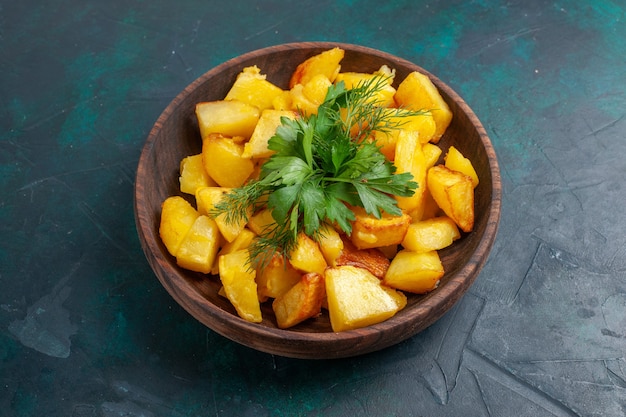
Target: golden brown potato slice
(455, 161)
(414, 272)
(454, 193)
(270, 119)
(431, 234)
(306, 98)
(228, 117)
(251, 87)
(356, 298)
(371, 259)
(198, 249)
(261, 222)
(409, 157)
(307, 255)
(301, 302)
(417, 92)
(326, 63)
(224, 161)
(242, 241)
(431, 154)
(206, 199)
(331, 244)
(276, 277)
(239, 284)
(384, 97)
(177, 217)
(370, 232)
(193, 175)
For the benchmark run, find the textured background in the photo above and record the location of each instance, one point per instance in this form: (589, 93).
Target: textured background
(86, 329)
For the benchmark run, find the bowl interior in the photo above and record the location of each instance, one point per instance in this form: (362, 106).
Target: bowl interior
(175, 135)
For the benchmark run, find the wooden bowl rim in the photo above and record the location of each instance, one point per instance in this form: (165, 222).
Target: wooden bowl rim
(317, 345)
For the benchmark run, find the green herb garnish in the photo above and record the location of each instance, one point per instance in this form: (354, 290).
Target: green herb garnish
(321, 163)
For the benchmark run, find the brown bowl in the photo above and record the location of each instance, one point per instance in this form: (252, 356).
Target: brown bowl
(175, 135)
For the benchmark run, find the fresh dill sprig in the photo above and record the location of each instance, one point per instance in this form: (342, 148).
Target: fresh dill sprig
(321, 164)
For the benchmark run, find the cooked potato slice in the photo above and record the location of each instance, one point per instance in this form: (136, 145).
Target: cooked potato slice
(276, 277)
(301, 302)
(306, 98)
(383, 98)
(422, 124)
(331, 244)
(356, 298)
(371, 259)
(454, 193)
(239, 284)
(431, 234)
(370, 232)
(223, 161)
(455, 161)
(193, 175)
(326, 63)
(283, 101)
(228, 117)
(432, 153)
(414, 272)
(261, 221)
(242, 241)
(252, 87)
(300, 102)
(198, 249)
(307, 255)
(206, 199)
(417, 92)
(410, 158)
(270, 119)
(177, 217)
(317, 88)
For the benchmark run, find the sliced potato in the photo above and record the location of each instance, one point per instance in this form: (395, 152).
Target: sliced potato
(283, 101)
(430, 208)
(252, 87)
(270, 119)
(409, 157)
(431, 234)
(371, 259)
(417, 92)
(301, 302)
(239, 284)
(206, 199)
(331, 244)
(316, 88)
(455, 161)
(454, 193)
(242, 241)
(276, 277)
(261, 221)
(383, 98)
(414, 272)
(224, 162)
(370, 232)
(307, 255)
(193, 175)
(177, 217)
(432, 153)
(356, 298)
(300, 102)
(198, 248)
(423, 125)
(228, 117)
(326, 63)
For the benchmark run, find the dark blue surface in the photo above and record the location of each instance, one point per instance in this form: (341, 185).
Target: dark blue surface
(86, 329)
